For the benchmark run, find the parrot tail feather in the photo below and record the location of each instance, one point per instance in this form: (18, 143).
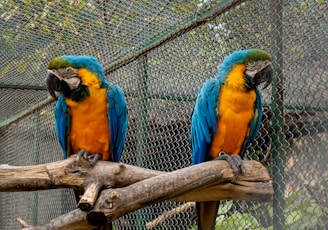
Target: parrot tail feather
(207, 213)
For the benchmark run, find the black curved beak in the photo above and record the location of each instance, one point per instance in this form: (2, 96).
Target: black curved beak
(265, 75)
(53, 84)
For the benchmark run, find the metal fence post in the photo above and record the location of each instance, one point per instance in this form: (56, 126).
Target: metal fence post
(278, 137)
(35, 196)
(142, 117)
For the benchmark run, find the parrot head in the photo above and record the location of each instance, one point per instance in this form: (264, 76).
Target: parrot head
(258, 67)
(71, 76)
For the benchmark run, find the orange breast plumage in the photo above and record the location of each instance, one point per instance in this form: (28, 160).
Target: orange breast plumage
(89, 121)
(235, 113)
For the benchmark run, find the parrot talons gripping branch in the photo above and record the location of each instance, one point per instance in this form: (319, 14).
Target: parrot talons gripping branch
(91, 122)
(92, 157)
(234, 161)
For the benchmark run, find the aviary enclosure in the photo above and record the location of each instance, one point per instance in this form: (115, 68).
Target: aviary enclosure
(160, 52)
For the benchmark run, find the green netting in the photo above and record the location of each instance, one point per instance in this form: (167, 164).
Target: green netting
(160, 53)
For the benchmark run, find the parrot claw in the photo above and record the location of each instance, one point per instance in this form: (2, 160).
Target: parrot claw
(234, 161)
(93, 157)
(82, 153)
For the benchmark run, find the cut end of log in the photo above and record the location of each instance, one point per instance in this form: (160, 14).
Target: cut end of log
(85, 207)
(96, 218)
(90, 195)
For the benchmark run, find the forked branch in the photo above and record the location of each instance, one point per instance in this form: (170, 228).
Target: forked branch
(127, 188)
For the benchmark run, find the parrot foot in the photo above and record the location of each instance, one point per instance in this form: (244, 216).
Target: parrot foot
(92, 157)
(82, 153)
(234, 161)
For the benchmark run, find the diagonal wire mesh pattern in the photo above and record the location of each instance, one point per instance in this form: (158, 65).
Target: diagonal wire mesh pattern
(160, 53)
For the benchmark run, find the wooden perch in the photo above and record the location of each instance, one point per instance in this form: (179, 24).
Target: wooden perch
(72, 174)
(187, 184)
(74, 220)
(130, 187)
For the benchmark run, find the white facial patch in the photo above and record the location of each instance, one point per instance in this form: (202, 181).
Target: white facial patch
(73, 82)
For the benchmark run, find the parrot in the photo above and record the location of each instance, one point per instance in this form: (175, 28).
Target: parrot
(227, 117)
(91, 115)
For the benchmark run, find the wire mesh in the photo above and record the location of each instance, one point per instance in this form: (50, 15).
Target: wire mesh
(160, 53)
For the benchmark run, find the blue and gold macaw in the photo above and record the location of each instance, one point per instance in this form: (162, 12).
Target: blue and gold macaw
(227, 116)
(91, 113)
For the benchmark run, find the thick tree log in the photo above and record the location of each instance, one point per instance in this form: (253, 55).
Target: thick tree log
(74, 220)
(72, 174)
(187, 184)
(131, 187)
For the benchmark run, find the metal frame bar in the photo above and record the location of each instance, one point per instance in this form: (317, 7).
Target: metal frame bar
(277, 105)
(142, 118)
(13, 86)
(15, 118)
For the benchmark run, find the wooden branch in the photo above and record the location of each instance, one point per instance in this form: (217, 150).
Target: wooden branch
(72, 174)
(74, 220)
(187, 184)
(89, 197)
(131, 187)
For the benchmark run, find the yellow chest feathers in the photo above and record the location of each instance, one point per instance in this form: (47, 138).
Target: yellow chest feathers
(235, 113)
(89, 119)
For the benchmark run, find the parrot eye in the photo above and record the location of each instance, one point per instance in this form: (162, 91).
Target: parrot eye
(69, 70)
(251, 63)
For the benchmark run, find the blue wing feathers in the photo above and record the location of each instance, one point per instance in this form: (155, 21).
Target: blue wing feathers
(204, 120)
(257, 118)
(62, 120)
(118, 120)
(254, 125)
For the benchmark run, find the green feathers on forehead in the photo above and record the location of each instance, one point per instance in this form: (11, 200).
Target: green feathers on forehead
(58, 62)
(257, 54)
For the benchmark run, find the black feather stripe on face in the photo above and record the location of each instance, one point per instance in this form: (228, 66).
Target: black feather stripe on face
(249, 82)
(64, 88)
(80, 93)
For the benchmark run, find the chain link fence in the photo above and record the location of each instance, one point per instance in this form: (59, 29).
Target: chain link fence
(160, 53)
